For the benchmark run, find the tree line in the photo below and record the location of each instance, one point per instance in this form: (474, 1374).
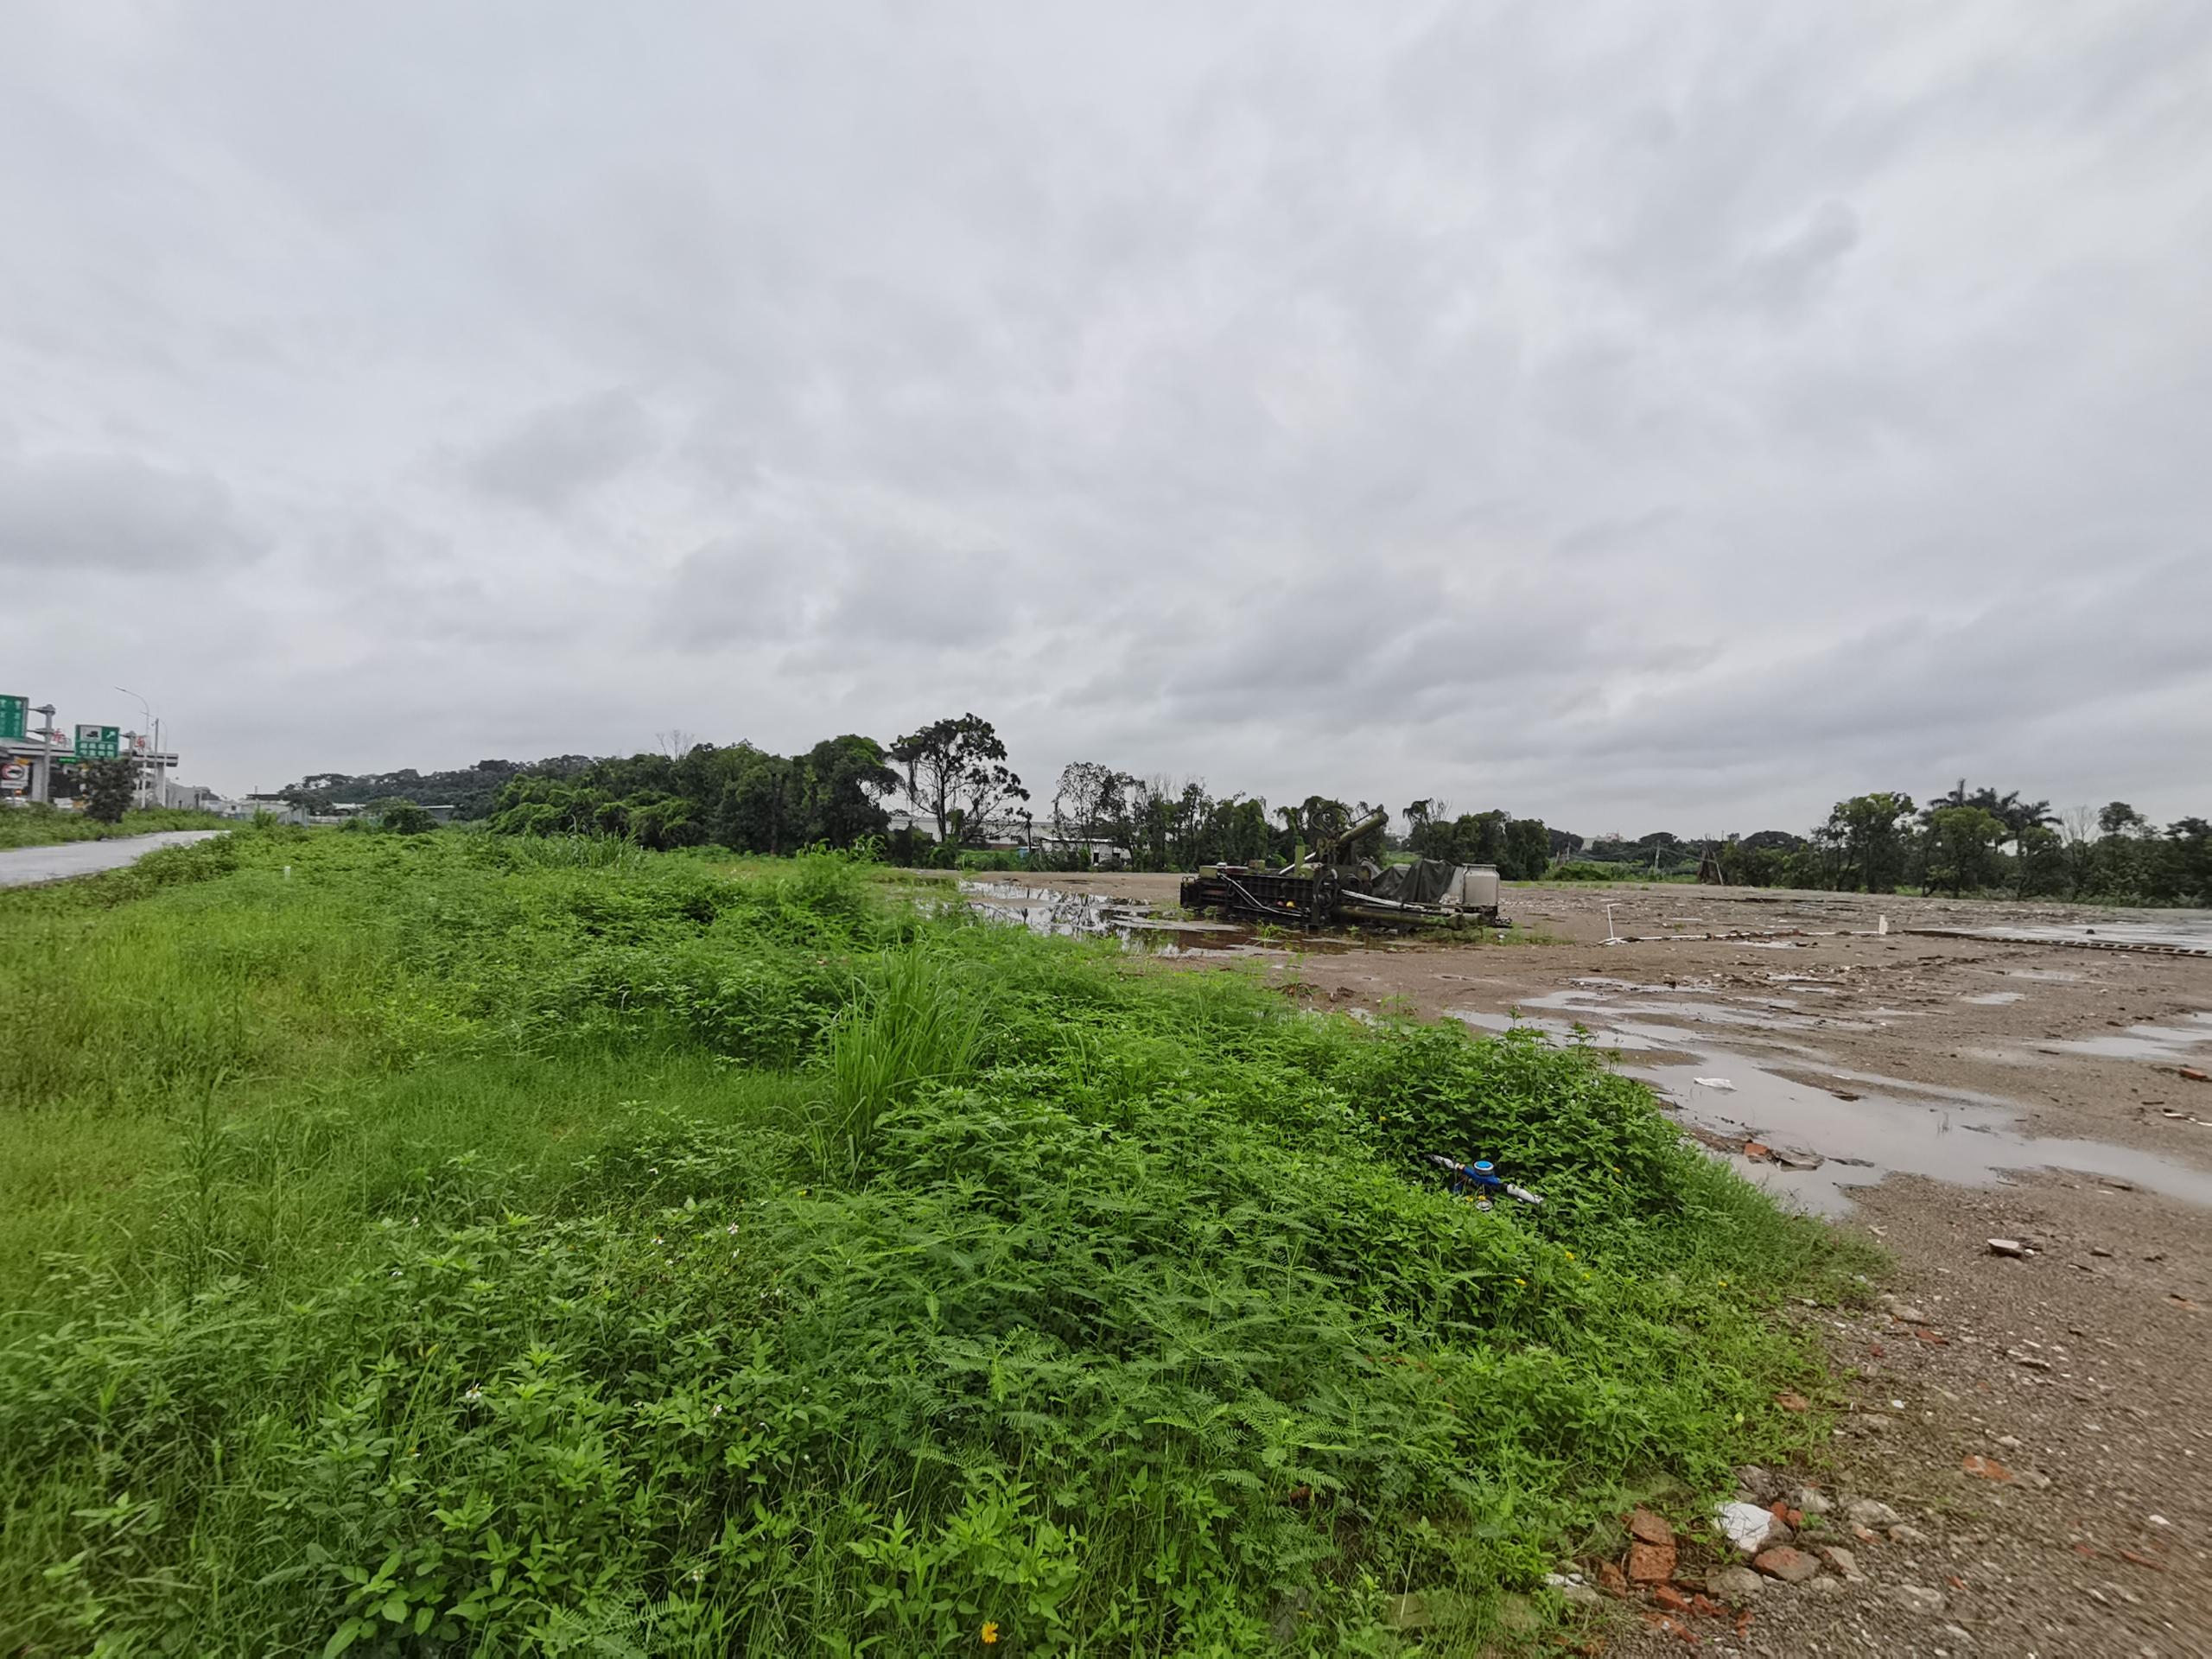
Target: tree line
(1979, 841)
(955, 778)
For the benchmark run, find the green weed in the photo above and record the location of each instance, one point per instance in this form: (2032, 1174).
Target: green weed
(468, 1245)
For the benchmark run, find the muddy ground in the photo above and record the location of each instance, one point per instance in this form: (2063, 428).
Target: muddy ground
(1936, 1091)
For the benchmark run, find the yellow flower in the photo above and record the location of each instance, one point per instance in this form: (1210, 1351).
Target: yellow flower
(1520, 1281)
(1570, 1255)
(990, 1632)
(1724, 1284)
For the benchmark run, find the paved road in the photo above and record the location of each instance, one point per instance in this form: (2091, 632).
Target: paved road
(24, 867)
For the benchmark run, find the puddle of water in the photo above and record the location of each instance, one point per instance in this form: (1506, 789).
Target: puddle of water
(1758, 1013)
(1892, 1126)
(2169, 1044)
(1628, 1038)
(2187, 930)
(1994, 999)
(1052, 914)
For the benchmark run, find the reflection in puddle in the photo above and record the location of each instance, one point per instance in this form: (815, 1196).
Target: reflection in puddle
(2161, 1043)
(1831, 1138)
(1052, 914)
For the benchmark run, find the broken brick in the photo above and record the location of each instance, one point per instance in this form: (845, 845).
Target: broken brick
(1650, 1563)
(1652, 1528)
(1987, 1468)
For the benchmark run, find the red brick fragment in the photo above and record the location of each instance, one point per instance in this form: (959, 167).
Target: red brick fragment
(1652, 1528)
(1788, 1400)
(1987, 1468)
(1665, 1595)
(1610, 1580)
(1650, 1563)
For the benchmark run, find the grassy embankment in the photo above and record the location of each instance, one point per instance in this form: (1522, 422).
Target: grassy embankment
(455, 1244)
(38, 825)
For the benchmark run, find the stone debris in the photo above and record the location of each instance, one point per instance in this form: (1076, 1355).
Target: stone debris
(1754, 1483)
(1572, 1589)
(1987, 1468)
(1790, 1566)
(1919, 1600)
(1843, 1562)
(1744, 1525)
(1870, 1512)
(1809, 1500)
(1733, 1583)
(2007, 1247)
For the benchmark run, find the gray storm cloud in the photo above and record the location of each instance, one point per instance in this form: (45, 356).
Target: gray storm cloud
(1637, 416)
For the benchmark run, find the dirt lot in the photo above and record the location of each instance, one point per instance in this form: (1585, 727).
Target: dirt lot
(1938, 1091)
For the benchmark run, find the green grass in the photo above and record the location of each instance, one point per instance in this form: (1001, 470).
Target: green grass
(39, 825)
(457, 1244)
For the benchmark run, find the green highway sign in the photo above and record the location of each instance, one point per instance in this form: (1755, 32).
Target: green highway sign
(98, 742)
(14, 718)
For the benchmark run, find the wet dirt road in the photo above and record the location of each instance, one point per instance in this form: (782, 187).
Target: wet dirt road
(1938, 1090)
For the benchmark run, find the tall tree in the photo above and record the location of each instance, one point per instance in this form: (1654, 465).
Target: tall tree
(1089, 803)
(956, 771)
(1528, 850)
(1867, 831)
(843, 783)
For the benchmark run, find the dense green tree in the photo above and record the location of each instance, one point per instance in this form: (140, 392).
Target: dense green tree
(1871, 838)
(403, 817)
(1528, 850)
(109, 786)
(1961, 847)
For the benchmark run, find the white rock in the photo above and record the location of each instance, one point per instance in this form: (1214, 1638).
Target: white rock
(1920, 1601)
(1811, 1500)
(2007, 1247)
(1744, 1525)
(1869, 1513)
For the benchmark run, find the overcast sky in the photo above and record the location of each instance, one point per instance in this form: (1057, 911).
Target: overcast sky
(1637, 416)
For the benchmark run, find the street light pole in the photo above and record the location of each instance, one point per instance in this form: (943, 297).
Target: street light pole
(146, 732)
